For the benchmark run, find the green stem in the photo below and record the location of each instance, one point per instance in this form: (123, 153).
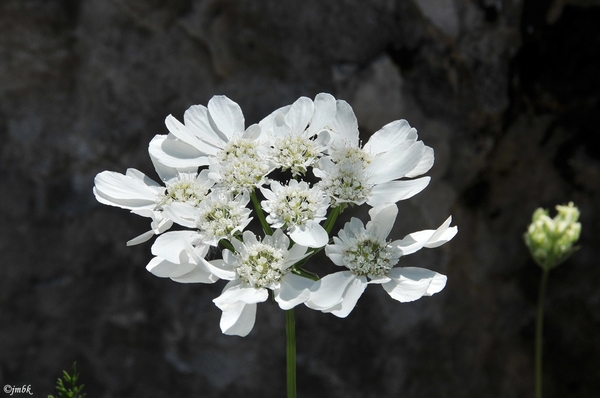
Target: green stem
(539, 327)
(226, 244)
(330, 222)
(261, 215)
(290, 329)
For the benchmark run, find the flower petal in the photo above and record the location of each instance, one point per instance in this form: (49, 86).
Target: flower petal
(182, 213)
(141, 238)
(411, 283)
(220, 268)
(172, 152)
(226, 115)
(395, 191)
(353, 292)
(329, 290)
(294, 290)
(396, 163)
(389, 136)
(127, 192)
(428, 238)
(344, 126)
(165, 269)
(197, 120)
(172, 246)
(299, 114)
(385, 217)
(425, 163)
(237, 290)
(311, 234)
(324, 113)
(182, 132)
(238, 318)
(197, 275)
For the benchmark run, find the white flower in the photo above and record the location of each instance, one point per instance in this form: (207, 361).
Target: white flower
(351, 174)
(300, 209)
(180, 255)
(221, 215)
(259, 266)
(242, 166)
(215, 136)
(137, 192)
(370, 259)
(293, 129)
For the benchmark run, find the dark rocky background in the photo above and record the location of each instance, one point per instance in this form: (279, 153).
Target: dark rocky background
(506, 92)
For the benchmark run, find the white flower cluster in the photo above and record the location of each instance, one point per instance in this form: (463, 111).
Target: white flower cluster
(212, 168)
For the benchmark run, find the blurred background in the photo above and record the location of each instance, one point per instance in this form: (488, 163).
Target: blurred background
(506, 92)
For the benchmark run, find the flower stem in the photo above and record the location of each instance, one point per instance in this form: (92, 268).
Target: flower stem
(290, 329)
(330, 222)
(261, 215)
(539, 327)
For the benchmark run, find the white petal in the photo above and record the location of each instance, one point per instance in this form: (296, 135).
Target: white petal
(311, 234)
(425, 163)
(197, 275)
(140, 238)
(219, 268)
(324, 113)
(384, 217)
(345, 125)
(267, 123)
(165, 172)
(238, 318)
(329, 290)
(253, 132)
(442, 235)
(182, 132)
(173, 245)
(394, 191)
(389, 136)
(411, 283)
(165, 269)
(197, 120)
(296, 253)
(239, 291)
(143, 178)
(116, 189)
(182, 213)
(395, 163)
(299, 114)
(226, 115)
(334, 252)
(427, 238)
(294, 290)
(353, 292)
(172, 152)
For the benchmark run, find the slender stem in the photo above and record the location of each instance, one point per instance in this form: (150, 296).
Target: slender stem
(260, 214)
(539, 326)
(290, 329)
(330, 222)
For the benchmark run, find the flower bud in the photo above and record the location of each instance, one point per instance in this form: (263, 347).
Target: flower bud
(551, 241)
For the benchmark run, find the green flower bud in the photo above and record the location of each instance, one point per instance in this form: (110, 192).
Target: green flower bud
(551, 241)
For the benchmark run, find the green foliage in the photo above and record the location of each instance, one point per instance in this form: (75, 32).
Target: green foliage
(67, 386)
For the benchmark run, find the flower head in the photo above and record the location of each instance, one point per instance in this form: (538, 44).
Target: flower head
(370, 258)
(551, 241)
(143, 196)
(298, 208)
(259, 266)
(221, 215)
(369, 174)
(298, 135)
